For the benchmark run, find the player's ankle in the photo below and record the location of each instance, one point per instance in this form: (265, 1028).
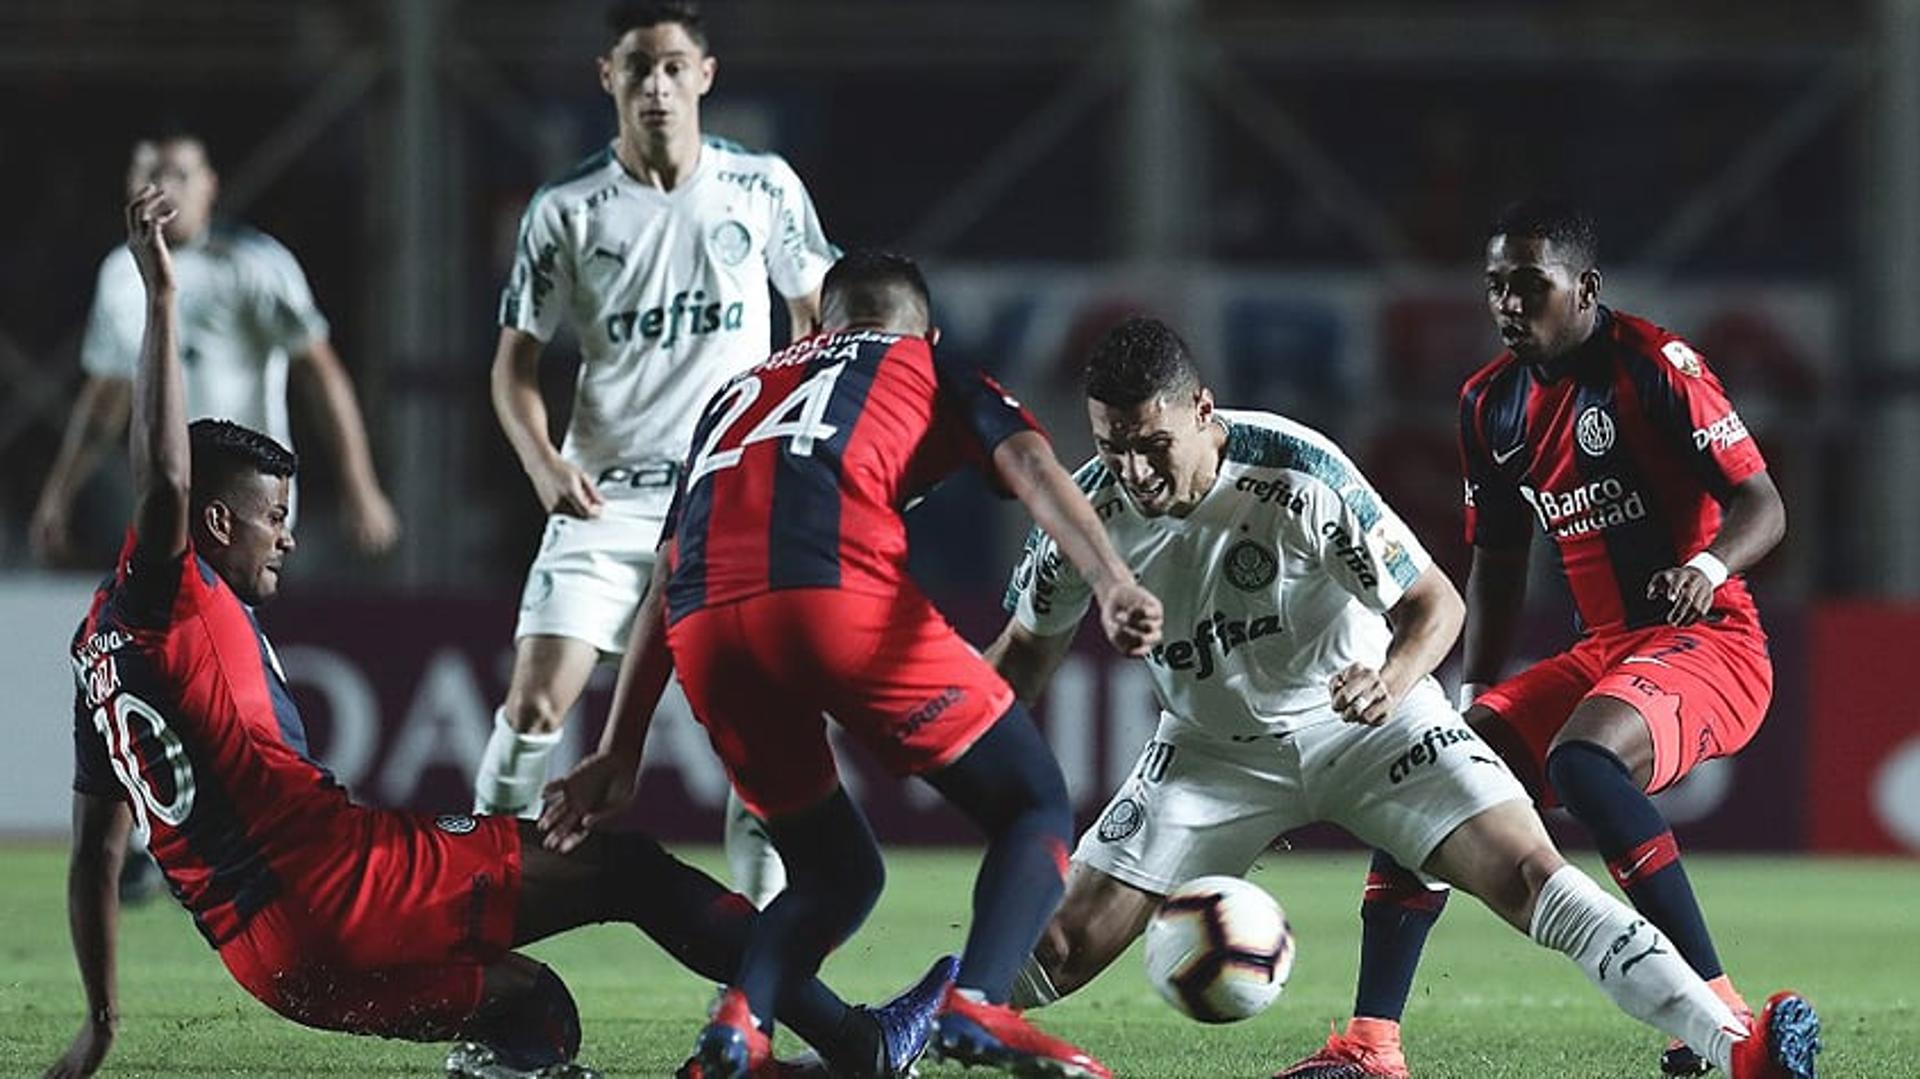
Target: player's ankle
(1381, 1035)
(1723, 988)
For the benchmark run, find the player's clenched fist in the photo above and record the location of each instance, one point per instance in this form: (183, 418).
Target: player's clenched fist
(1360, 695)
(146, 213)
(1688, 588)
(1131, 617)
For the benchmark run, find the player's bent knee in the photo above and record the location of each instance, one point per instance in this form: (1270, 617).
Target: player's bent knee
(532, 1025)
(533, 713)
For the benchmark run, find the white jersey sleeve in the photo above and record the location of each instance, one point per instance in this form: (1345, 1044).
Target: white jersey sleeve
(279, 295)
(800, 253)
(1047, 595)
(1361, 543)
(540, 285)
(111, 347)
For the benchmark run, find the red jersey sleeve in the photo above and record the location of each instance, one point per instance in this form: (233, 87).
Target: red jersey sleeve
(1685, 401)
(979, 410)
(1496, 515)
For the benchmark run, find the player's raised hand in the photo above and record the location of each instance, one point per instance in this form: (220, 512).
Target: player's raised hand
(83, 1056)
(563, 488)
(1689, 590)
(147, 212)
(598, 788)
(1360, 695)
(1131, 617)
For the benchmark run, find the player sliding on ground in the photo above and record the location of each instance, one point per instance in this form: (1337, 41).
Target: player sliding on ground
(332, 914)
(784, 596)
(1304, 621)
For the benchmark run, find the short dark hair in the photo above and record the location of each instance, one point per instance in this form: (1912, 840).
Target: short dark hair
(223, 451)
(867, 284)
(1559, 220)
(1138, 360)
(626, 15)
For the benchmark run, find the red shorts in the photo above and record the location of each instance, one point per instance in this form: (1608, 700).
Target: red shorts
(1703, 690)
(763, 672)
(387, 929)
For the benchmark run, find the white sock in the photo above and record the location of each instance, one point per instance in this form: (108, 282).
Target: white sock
(1633, 963)
(512, 770)
(1032, 988)
(754, 865)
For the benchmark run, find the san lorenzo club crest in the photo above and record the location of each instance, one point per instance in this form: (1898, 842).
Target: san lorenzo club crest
(1251, 567)
(1594, 431)
(455, 823)
(731, 242)
(1121, 821)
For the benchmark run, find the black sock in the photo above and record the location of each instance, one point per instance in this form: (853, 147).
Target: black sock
(1396, 913)
(1009, 784)
(1597, 788)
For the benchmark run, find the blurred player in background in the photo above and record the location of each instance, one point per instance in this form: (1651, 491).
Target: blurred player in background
(332, 914)
(783, 593)
(248, 329)
(1614, 438)
(1303, 693)
(657, 252)
(247, 324)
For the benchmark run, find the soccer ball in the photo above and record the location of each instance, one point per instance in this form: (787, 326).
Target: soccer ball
(1219, 949)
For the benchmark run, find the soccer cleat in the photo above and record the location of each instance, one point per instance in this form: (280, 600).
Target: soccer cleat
(1348, 1058)
(1681, 1062)
(139, 878)
(471, 1060)
(1784, 1042)
(907, 1021)
(732, 1045)
(973, 1032)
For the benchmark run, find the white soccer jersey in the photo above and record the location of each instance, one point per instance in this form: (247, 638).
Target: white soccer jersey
(244, 306)
(666, 290)
(1278, 579)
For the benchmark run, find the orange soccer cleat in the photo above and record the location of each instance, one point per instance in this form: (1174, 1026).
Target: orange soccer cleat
(975, 1032)
(1345, 1057)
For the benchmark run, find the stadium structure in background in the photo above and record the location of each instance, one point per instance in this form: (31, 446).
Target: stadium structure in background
(1304, 186)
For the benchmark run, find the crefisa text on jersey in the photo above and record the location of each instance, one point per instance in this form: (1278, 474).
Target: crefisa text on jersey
(665, 321)
(1229, 633)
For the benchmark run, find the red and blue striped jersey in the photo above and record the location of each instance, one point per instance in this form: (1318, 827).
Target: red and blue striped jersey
(802, 466)
(182, 711)
(1620, 452)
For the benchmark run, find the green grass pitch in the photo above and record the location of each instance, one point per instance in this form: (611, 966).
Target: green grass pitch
(1488, 1003)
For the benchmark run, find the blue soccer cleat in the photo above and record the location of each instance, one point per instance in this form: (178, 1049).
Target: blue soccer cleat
(906, 1021)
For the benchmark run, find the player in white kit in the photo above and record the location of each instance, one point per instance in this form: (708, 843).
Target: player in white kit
(247, 323)
(657, 252)
(1303, 621)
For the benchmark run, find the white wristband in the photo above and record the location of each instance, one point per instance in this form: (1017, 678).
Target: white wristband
(1715, 569)
(1469, 692)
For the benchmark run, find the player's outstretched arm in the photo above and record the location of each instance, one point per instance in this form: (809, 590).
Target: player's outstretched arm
(371, 521)
(1129, 614)
(1026, 659)
(1426, 622)
(558, 483)
(1496, 590)
(1754, 522)
(162, 465)
(99, 416)
(603, 783)
(100, 827)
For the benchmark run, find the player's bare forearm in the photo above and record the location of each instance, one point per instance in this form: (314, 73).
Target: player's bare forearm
(1496, 590)
(1026, 659)
(337, 407)
(803, 316)
(1426, 622)
(100, 828)
(98, 419)
(1754, 522)
(644, 671)
(162, 465)
(1027, 467)
(515, 383)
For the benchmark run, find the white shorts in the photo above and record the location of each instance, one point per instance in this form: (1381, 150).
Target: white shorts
(1199, 803)
(588, 578)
